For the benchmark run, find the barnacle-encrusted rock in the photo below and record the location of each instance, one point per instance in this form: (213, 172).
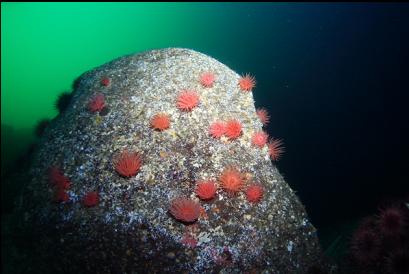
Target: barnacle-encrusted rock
(130, 230)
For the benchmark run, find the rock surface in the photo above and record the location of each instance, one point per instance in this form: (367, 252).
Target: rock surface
(129, 228)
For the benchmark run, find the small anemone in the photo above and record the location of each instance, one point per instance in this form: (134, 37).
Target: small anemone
(63, 101)
(206, 190)
(160, 121)
(76, 83)
(127, 164)
(91, 199)
(187, 100)
(184, 209)
(254, 193)
(247, 82)
(365, 246)
(231, 180)
(233, 129)
(392, 221)
(263, 115)
(41, 126)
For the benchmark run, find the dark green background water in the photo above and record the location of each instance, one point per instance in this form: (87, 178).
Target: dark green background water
(333, 76)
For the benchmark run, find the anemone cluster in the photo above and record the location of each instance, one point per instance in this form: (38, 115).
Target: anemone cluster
(127, 164)
(380, 244)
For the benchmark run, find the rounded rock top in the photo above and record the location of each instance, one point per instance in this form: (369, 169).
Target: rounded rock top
(133, 210)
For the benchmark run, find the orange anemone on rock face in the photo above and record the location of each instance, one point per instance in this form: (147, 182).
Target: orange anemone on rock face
(55, 175)
(217, 129)
(127, 164)
(263, 116)
(275, 149)
(233, 129)
(259, 139)
(207, 79)
(206, 190)
(247, 82)
(231, 180)
(105, 81)
(96, 103)
(184, 209)
(160, 121)
(60, 184)
(57, 178)
(187, 100)
(254, 193)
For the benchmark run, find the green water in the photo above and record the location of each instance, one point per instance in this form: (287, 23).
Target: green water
(316, 66)
(46, 45)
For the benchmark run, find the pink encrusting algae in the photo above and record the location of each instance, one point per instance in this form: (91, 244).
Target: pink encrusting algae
(217, 129)
(207, 79)
(127, 164)
(259, 139)
(187, 100)
(184, 209)
(247, 82)
(96, 103)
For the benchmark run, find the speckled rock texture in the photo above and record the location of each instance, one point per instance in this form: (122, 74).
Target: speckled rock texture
(130, 230)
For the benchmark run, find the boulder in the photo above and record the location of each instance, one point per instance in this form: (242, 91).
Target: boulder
(114, 181)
